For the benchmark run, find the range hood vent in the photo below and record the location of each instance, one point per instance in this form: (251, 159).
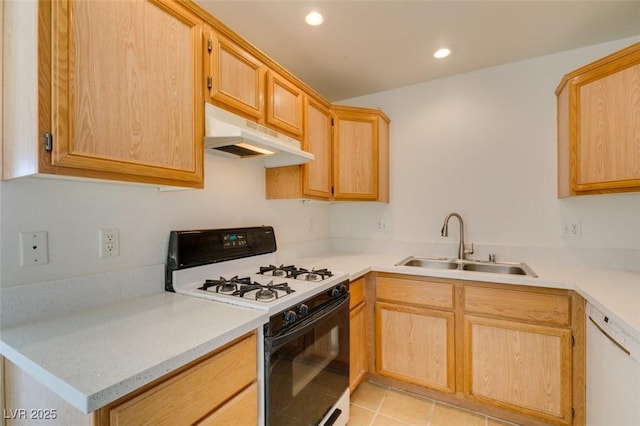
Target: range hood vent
(230, 134)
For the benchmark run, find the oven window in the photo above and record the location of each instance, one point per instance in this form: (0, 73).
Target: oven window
(315, 358)
(310, 373)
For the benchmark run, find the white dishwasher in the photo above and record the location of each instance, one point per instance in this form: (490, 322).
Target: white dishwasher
(613, 373)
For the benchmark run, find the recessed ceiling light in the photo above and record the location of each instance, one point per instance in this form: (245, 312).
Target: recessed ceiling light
(314, 18)
(442, 53)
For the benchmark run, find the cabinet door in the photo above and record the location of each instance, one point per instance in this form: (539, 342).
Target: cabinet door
(237, 77)
(358, 346)
(519, 366)
(608, 148)
(317, 140)
(126, 84)
(598, 135)
(355, 156)
(285, 102)
(415, 345)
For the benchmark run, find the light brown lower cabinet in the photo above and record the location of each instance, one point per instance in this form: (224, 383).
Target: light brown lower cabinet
(415, 334)
(357, 335)
(519, 366)
(512, 351)
(415, 345)
(241, 410)
(211, 391)
(218, 389)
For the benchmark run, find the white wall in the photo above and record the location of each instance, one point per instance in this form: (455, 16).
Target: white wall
(73, 212)
(483, 144)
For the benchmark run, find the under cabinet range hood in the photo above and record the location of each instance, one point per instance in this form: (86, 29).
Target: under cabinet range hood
(233, 135)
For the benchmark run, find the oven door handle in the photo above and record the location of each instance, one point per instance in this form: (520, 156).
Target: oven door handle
(307, 324)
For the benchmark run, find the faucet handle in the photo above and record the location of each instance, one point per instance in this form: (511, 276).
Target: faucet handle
(492, 257)
(469, 251)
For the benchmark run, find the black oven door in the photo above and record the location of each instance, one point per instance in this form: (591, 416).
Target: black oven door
(307, 367)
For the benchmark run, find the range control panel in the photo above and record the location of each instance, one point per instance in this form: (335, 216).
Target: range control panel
(235, 240)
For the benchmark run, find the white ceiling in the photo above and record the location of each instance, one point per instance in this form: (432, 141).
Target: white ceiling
(369, 46)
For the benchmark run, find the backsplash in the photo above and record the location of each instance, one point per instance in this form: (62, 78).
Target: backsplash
(73, 212)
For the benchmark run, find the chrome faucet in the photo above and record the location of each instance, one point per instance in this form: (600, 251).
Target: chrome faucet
(445, 232)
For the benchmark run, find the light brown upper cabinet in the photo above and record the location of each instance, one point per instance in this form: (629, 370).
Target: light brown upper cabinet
(239, 81)
(317, 173)
(312, 179)
(285, 102)
(598, 126)
(360, 154)
(119, 94)
(236, 78)
(352, 159)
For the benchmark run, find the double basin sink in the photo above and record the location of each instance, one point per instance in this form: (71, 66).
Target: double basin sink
(468, 265)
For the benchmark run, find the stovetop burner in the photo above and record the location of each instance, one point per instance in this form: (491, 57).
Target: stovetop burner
(292, 271)
(226, 286)
(239, 287)
(278, 271)
(264, 292)
(312, 275)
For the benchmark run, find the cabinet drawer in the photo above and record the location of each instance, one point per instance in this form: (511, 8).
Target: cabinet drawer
(242, 410)
(356, 290)
(521, 305)
(192, 394)
(414, 292)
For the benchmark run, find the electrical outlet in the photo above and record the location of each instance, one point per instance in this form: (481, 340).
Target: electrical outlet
(571, 228)
(109, 242)
(33, 248)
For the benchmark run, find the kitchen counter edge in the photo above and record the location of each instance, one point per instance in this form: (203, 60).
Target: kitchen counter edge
(615, 292)
(93, 357)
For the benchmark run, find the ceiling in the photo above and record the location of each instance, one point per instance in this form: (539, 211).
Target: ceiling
(365, 47)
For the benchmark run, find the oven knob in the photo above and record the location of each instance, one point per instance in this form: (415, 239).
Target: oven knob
(338, 290)
(290, 316)
(303, 310)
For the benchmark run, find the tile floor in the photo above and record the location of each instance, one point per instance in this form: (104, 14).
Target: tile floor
(374, 405)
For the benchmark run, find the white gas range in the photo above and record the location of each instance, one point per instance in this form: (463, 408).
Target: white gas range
(306, 341)
(241, 282)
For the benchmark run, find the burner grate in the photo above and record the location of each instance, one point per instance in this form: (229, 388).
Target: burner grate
(264, 292)
(278, 271)
(312, 275)
(292, 271)
(224, 285)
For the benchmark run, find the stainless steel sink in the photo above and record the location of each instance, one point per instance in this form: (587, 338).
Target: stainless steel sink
(430, 263)
(497, 268)
(468, 265)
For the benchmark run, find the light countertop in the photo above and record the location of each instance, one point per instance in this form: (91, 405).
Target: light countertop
(615, 292)
(93, 357)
